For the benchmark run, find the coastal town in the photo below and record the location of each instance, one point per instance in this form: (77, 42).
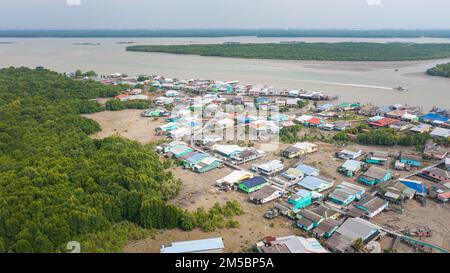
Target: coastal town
(332, 175)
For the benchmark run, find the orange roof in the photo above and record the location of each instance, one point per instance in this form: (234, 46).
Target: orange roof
(384, 122)
(444, 195)
(315, 121)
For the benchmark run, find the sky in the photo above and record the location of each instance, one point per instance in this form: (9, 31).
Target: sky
(210, 14)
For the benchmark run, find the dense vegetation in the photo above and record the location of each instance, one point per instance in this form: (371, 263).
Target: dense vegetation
(310, 51)
(59, 185)
(386, 137)
(117, 105)
(442, 70)
(290, 135)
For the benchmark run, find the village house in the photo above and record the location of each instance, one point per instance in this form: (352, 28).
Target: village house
(345, 193)
(375, 175)
(421, 128)
(351, 167)
(371, 205)
(352, 229)
(313, 183)
(179, 150)
(252, 184)
(314, 122)
(234, 178)
(302, 119)
(410, 159)
(245, 156)
(180, 133)
(346, 154)
(401, 126)
(326, 212)
(293, 174)
(308, 170)
(396, 114)
(269, 168)
(440, 133)
(377, 157)
(444, 197)
(299, 149)
(308, 220)
(213, 245)
(434, 118)
(266, 194)
(447, 163)
(345, 106)
(166, 128)
(207, 164)
(301, 199)
(290, 244)
(395, 192)
(436, 175)
(227, 150)
(384, 122)
(341, 125)
(418, 187)
(434, 151)
(326, 228)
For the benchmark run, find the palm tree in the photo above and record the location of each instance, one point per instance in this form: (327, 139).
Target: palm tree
(358, 244)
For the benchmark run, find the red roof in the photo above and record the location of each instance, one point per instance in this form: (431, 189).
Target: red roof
(315, 121)
(384, 122)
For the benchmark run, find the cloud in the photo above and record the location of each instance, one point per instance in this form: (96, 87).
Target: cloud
(373, 2)
(73, 2)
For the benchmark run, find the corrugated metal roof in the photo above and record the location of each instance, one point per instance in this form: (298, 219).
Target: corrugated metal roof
(194, 246)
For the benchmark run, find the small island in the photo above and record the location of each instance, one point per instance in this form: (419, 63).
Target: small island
(441, 70)
(310, 51)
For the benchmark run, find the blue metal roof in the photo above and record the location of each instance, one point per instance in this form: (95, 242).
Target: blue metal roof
(253, 182)
(415, 185)
(312, 183)
(194, 246)
(434, 117)
(196, 157)
(308, 170)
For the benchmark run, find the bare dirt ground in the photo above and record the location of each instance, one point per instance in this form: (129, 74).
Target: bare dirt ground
(199, 191)
(433, 215)
(126, 123)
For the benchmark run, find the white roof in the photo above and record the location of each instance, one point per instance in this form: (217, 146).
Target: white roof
(441, 132)
(355, 228)
(297, 244)
(226, 122)
(409, 116)
(304, 118)
(235, 177)
(227, 149)
(304, 145)
(447, 161)
(194, 246)
(271, 165)
(209, 160)
(352, 165)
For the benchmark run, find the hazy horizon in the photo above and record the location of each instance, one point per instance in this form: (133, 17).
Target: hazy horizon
(224, 14)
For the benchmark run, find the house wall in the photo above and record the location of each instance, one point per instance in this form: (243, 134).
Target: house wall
(411, 162)
(250, 190)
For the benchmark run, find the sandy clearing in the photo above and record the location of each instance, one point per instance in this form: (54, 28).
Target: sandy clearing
(127, 123)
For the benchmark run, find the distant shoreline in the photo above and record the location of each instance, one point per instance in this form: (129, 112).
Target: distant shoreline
(376, 52)
(204, 33)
